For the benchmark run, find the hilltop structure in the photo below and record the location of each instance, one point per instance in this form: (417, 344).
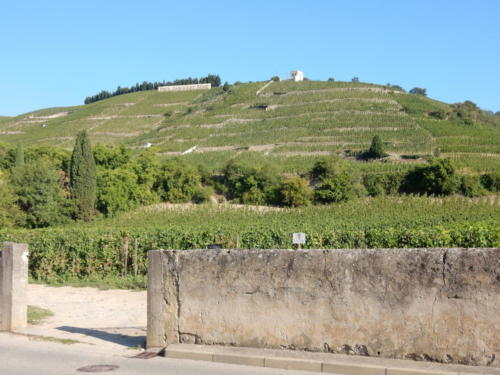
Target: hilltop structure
(297, 75)
(199, 86)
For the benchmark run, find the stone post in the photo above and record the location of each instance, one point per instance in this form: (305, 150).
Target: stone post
(13, 286)
(163, 294)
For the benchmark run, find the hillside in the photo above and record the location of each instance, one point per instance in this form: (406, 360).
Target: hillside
(291, 123)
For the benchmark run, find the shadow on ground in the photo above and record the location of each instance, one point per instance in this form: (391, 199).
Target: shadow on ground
(104, 334)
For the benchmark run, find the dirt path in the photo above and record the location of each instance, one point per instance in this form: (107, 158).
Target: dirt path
(112, 318)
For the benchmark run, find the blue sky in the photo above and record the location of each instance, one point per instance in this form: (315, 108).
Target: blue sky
(55, 53)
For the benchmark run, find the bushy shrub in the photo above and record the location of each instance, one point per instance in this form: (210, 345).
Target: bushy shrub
(491, 181)
(326, 167)
(335, 183)
(117, 190)
(178, 181)
(202, 194)
(333, 190)
(471, 187)
(439, 177)
(295, 192)
(439, 114)
(251, 184)
(382, 184)
(418, 91)
(39, 193)
(275, 79)
(10, 215)
(111, 157)
(147, 168)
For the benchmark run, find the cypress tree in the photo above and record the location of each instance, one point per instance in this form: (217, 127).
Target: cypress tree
(19, 161)
(377, 148)
(82, 176)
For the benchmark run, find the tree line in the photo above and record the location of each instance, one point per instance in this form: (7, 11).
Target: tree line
(45, 186)
(213, 79)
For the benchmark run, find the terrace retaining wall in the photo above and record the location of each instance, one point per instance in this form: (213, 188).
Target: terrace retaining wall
(200, 86)
(428, 304)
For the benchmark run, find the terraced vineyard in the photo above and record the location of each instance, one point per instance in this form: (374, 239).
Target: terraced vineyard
(291, 123)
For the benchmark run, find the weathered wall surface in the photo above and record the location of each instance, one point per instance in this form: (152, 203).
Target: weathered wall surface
(200, 86)
(439, 304)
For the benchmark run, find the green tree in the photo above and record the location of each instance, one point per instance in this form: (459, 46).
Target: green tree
(19, 156)
(225, 87)
(440, 177)
(337, 189)
(491, 181)
(376, 150)
(9, 211)
(251, 184)
(111, 157)
(83, 178)
(39, 194)
(471, 187)
(178, 181)
(295, 192)
(59, 157)
(335, 183)
(117, 191)
(418, 91)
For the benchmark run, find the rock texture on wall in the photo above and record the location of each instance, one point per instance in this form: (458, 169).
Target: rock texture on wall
(425, 304)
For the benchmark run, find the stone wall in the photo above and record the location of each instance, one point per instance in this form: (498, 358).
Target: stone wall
(200, 86)
(430, 304)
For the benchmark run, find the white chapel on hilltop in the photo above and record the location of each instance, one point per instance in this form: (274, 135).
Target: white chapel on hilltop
(297, 75)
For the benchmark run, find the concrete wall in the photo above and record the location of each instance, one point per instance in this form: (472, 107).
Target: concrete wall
(432, 304)
(201, 86)
(13, 286)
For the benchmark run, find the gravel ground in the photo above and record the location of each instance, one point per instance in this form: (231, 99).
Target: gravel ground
(114, 318)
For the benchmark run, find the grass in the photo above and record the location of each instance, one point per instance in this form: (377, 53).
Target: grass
(54, 339)
(128, 282)
(309, 117)
(37, 314)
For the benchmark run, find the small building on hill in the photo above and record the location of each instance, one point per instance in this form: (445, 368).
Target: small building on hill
(198, 86)
(297, 75)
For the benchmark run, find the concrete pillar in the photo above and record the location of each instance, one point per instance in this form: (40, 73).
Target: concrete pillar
(163, 294)
(14, 286)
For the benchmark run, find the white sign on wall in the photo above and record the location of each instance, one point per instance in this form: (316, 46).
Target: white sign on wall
(299, 238)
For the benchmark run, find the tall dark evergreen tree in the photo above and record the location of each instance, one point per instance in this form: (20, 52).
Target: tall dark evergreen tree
(19, 156)
(82, 176)
(376, 148)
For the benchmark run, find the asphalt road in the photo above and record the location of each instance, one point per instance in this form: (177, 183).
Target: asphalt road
(22, 356)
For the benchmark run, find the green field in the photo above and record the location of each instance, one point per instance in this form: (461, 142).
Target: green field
(290, 123)
(95, 250)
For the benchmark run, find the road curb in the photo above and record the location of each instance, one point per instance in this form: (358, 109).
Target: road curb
(331, 367)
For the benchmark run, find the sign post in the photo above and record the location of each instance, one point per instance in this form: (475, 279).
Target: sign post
(299, 239)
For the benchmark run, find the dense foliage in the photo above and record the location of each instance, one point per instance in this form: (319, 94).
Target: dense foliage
(213, 79)
(120, 182)
(39, 194)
